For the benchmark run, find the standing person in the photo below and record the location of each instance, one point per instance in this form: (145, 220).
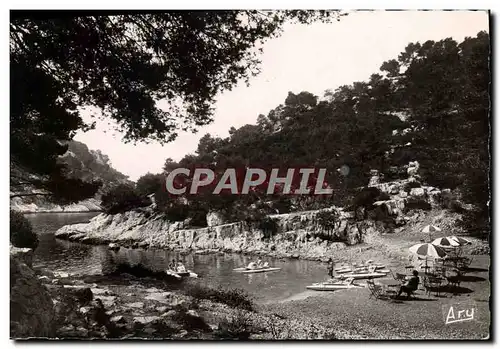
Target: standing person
(331, 267)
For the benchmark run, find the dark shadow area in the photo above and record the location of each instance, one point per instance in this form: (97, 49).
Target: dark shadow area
(141, 271)
(470, 278)
(455, 289)
(474, 270)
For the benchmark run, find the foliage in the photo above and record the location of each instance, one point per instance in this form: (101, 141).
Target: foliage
(327, 220)
(444, 116)
(123, 198)
(417, 204)
(410, 185)
(21, 231)
(235, 298)
(150, 184)
(237, 327)
(61, 64)
(366, 197)
(268, 226)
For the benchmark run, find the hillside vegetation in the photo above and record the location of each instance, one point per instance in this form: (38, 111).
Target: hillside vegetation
(416, 108)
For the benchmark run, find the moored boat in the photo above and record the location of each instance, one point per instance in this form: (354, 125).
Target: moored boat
(334, 285)
(255, 270)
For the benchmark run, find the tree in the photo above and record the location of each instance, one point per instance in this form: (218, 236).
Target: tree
(21, 231)
(123, 64)
(123, 198)
(150, 184)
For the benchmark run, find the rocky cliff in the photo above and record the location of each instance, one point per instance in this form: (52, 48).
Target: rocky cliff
(31, 306)
(298, 235)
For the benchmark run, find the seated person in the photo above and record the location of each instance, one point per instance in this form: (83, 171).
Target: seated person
(411, 285)
(181, 268)
(265, 265)
(259, 263)
(172, 265)
(252, 265)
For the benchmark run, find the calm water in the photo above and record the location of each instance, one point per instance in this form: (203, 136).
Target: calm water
(214, 270)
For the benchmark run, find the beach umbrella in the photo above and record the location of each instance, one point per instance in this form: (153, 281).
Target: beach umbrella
(446, 242)
(430, 229)
(459, 239)
(428, 250)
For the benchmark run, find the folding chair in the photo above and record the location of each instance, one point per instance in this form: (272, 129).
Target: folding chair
(376, 291)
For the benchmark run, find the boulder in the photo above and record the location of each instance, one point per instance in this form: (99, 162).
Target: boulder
(214, 218)
(417, 192)
(23, 255)
(31, 307)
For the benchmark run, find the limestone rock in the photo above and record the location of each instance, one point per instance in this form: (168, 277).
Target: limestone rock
(417, 192)
(31, 307)
(214, 219)
(23, 255)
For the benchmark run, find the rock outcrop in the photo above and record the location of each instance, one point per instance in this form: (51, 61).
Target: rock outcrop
(297, 234)
(39, 204)
(31, 307)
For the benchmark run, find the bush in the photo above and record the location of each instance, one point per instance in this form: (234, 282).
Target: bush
(268, 226)
(239, 327)
(383, 197)
(177, 212)
(235, 298)
(123, 198)
(327, 219)
(417, 204)
(366, 197)
(21, 231)
(410, 185)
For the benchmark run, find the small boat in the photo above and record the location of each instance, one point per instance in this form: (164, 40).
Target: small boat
(334, 285)
(364, 275)
(256, 270)
(347, 269)
(180, 275)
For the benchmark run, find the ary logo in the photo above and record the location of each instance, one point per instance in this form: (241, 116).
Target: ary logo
(459, 312)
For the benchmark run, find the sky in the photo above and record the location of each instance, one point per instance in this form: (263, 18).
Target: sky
(310, 58)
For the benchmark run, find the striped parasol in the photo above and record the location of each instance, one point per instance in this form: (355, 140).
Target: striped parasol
(446, 242)
(428, 250)
(430, 229)
(460, 240)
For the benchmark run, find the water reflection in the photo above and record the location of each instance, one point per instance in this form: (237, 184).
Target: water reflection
(213, 270)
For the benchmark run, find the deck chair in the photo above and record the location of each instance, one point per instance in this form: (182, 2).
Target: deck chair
(376, 291)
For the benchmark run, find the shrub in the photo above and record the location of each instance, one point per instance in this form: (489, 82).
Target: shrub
(123, 198)
(366, 197)
(177, 212)
(239, 327)
(383, 197)
(198, 217)
(269, 227)
(327, 219)
(417, 204)
(235, 298)
(21, 231)
(410, 185)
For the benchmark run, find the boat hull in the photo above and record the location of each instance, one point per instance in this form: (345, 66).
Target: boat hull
(331, 287)
(364, 275)
(252, 271)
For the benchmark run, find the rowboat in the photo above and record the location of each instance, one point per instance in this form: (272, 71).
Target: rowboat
(364, 275)
(334, 285)
(347, 269)
(256, 270)
(180, 275)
